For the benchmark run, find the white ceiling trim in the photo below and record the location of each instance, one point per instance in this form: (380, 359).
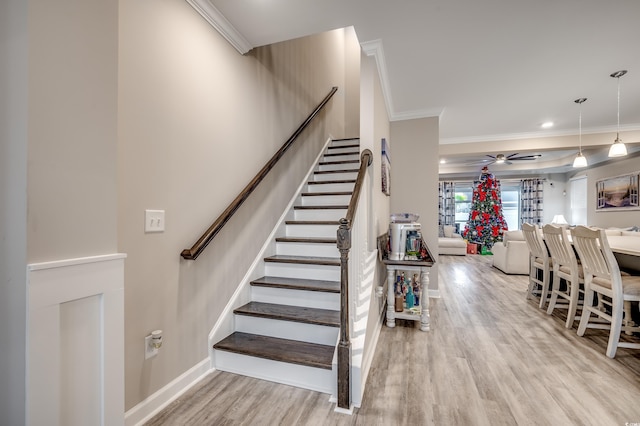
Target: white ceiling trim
(217, 20)
(374, 48)
(539, 135)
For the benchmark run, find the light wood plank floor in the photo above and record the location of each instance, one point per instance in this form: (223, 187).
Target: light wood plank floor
(492, 358)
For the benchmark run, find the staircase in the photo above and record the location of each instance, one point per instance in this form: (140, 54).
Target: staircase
(289, 330)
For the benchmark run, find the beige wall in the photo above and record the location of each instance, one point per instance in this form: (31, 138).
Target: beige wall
(414, 183)
(13, 208)
(197, 121)
(605, 219)
(73, 86)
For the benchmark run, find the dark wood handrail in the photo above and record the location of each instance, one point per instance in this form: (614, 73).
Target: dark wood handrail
(213, 230)
(344, 245)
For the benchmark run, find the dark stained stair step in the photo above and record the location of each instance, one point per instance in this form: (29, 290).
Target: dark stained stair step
(312, 222)
(311, 240)
(304, 260)
(284, 350)
(301, 314)
(345, 146)
(327, 182)
(320, 194)
(328, 163)
(298, 284)
(326, 172)
(320, 207)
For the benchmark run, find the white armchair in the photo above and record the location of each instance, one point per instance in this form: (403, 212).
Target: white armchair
(511, 255)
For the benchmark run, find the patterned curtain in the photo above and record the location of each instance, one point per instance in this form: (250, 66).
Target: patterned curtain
(447, 203)
(531, 193)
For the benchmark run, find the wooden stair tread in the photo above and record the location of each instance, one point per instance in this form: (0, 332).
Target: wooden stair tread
(306, 260)
(301, 314)
(320, 207)
(298, 284)
(326, 172)
(338, 154)
(344, 146)
(316, 240)
(284, 350)
(327, 182)
(319, 194)
(328, 163)
(312, 222)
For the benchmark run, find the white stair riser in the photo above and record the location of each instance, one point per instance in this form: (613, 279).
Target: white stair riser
(345, 156)
(330, 187)
(338, 166)
(319, 214)
(311, 333)
(296, 270)
(323, 177)
(326, 200)
(304, 298)
(316, 379)
(346, 142)
(308, 249)
(323, 231)
(346, 148)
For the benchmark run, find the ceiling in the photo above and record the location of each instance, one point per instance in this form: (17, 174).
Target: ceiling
(491, 70)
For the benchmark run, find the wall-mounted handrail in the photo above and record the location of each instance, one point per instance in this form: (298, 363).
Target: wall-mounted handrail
(213, 230)
(344, 245)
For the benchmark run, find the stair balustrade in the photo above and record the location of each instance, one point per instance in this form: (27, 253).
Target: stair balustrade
(357, 216)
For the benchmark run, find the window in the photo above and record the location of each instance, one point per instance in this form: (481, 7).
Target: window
(464, 197)
(510, 192)
(578, 200)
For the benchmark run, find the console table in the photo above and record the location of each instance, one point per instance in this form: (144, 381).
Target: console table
(414, 266)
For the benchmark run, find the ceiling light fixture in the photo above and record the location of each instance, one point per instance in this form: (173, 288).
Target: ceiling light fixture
(580, 160)
(617, 148)
(500, 159)
(547, 125)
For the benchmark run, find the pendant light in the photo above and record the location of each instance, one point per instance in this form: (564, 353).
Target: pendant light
(617, 148)
(580, 160)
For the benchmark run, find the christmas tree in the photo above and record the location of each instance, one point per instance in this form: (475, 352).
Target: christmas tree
(486, 222)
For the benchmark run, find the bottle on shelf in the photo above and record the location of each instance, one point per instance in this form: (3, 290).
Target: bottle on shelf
(416, 289)
(410, 299)
(399, 298)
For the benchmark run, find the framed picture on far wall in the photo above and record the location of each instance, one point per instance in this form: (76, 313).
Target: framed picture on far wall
(386, 168)
(618, 193)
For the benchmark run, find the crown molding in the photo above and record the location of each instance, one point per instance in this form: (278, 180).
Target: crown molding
(217, 20)
(538, 135)
(374, 48)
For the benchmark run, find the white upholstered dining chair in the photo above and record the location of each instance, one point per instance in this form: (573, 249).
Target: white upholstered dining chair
(539, 261)
(603, 278)
(565, 266)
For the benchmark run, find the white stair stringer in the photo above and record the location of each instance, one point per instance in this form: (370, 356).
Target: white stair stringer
(299, 226)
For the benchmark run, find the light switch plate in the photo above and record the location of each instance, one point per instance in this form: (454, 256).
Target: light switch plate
(154, 221)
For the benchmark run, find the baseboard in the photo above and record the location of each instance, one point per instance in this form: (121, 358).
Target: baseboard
(153, 404)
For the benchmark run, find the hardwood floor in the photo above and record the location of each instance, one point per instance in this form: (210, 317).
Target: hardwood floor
(491, 358)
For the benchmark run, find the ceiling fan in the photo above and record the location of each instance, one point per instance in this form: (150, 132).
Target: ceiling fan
(502, 159)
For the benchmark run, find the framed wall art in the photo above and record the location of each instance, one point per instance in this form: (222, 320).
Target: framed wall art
(386, 168)
(618, 193)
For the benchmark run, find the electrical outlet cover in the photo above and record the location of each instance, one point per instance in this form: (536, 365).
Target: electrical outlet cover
(149, 350)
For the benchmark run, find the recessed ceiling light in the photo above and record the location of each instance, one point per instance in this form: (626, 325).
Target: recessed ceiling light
(443, 161)
(547, 125)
